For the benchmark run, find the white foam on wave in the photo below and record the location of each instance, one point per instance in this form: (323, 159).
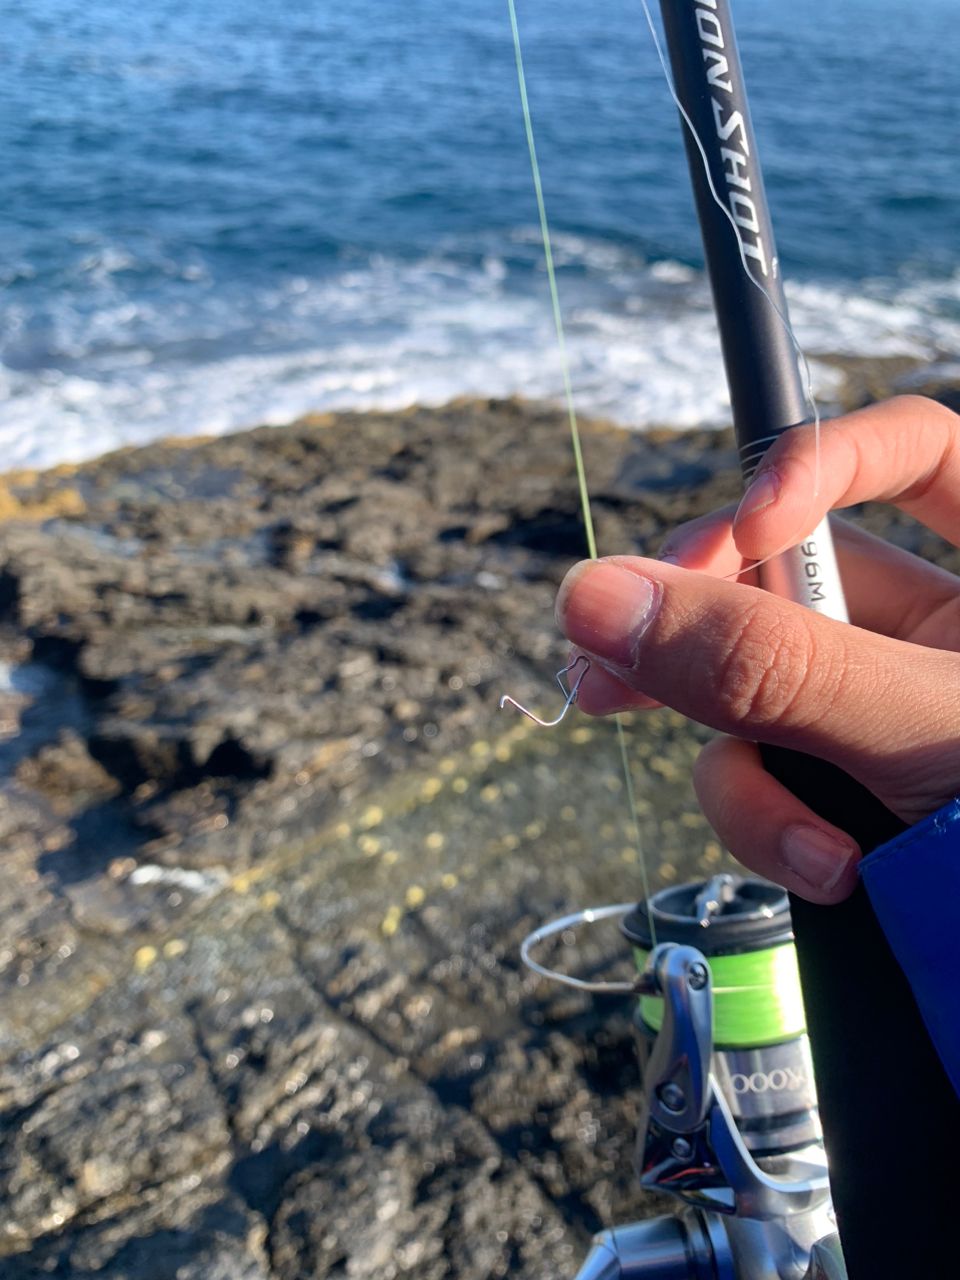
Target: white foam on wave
(387, 334)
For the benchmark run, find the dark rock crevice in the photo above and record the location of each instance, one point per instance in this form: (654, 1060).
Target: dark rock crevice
(455, 1093)
(260, 1195)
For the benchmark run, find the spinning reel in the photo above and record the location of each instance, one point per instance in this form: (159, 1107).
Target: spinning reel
(728, 1121)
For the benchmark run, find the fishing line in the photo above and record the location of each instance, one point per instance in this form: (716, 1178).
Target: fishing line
(757, 997)
(571, 407)
(554, 293)
(756, 1000)
(784, 320)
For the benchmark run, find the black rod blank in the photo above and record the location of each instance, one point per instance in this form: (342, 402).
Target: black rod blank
(886, 1103)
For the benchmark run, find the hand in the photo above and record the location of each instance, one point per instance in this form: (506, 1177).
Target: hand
(880, 698)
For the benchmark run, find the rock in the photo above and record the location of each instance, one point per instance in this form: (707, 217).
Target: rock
(67, 774)
(269, 849)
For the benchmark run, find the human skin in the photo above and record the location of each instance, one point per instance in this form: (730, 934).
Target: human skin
(880, 698)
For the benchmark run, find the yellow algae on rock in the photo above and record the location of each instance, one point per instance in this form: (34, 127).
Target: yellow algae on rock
(143, 958)
(581, 735)
(415, 896)
(390, 857)
(391, 921)
(712, 853)
(372, 816)
(317, 420)
(521, 729)
(666, 768)
(175, 947)
(175, 442)
(435, 841)
(270, 899)
(431, 788)
(61, 502)
(244, 881)
(449, 880)
(460, 785)
(369, 845)
(490, 794)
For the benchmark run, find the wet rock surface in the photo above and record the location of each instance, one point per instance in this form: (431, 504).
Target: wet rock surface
(270, 850)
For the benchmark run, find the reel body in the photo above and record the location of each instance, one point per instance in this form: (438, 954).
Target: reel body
(728, 1120)
(760, 1051)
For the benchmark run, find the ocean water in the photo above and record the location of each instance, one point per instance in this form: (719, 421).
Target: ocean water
(227, 213)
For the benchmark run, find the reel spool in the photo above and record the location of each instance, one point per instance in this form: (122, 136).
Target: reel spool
(761, 1054)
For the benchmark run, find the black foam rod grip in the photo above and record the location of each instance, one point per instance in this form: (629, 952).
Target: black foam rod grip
(889, 1112)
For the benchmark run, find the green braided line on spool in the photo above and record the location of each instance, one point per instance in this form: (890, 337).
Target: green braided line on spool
(757, 999)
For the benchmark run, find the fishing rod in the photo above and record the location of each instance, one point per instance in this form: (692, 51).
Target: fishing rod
(754, 1177)
(882, 1106)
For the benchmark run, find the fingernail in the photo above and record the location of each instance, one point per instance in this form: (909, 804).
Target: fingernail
(763, 491)
(815, 856)
(606, 610)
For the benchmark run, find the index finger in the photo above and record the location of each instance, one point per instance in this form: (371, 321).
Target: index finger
(905, 451)
(887, 589)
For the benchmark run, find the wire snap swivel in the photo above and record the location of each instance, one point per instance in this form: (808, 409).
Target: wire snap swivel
(571, 694)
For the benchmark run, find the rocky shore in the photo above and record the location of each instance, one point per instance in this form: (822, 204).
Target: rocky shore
(269, 848)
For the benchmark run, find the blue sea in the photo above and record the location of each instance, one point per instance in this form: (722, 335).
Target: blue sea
(227, 212)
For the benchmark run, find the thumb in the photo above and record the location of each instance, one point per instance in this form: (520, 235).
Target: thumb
(753, 665)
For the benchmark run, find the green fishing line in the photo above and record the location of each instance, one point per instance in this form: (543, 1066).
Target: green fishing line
(757, 999)
(554, 292)
(568, 395)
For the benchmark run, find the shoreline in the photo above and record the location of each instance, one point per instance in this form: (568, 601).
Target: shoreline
(861, 379)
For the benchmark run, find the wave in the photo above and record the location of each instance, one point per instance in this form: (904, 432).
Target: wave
(116, 363)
